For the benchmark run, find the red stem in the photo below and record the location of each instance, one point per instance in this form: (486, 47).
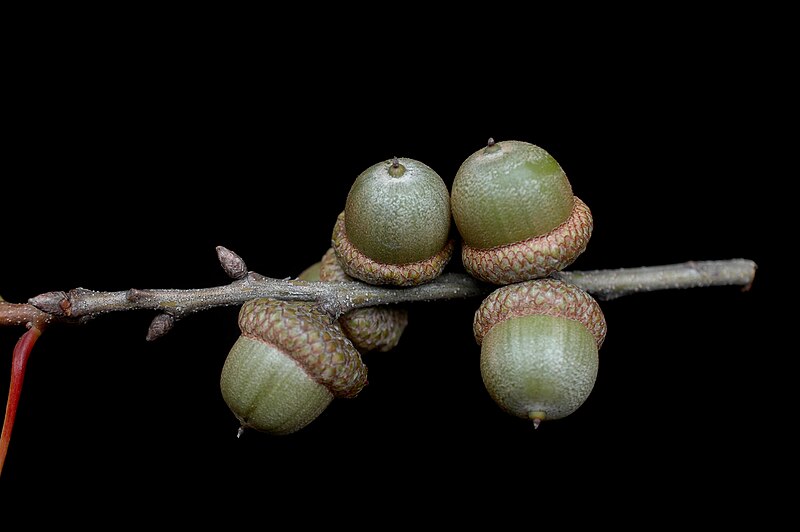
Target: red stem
(20, 359)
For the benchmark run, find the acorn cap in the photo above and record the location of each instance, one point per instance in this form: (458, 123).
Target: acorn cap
(330, 270)
(535, 257)
(375, 328)
(371, 328)
(311, 337)
(549, 297)
(358, 265)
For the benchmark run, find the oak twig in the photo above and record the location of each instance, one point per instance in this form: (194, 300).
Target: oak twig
(611, 284)
(80, 305)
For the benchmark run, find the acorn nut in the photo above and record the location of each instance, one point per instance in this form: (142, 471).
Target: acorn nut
(290, 361)
(395, 227)
(539, 347)
(376, 328)
(514, 208)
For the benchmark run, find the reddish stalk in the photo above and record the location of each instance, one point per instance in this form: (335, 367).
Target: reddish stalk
(20, 359)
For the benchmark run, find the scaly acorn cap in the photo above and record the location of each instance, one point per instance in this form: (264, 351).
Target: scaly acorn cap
(309, 336)
(372, 328)
(534, 257)
(549, 297)
(358, 265)
(514, 208)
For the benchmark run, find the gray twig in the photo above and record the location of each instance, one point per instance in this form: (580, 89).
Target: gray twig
(611, 284)
(80, 305)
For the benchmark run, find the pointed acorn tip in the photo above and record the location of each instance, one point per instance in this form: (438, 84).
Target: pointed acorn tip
(537, 417)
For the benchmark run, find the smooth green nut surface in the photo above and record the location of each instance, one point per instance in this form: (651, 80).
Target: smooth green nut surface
(539, 366)
(311, 274)
(509, 192)
(398, 216)
(268, 391)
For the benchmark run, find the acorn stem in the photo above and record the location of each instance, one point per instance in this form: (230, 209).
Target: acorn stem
(491, 146)
(396, 169)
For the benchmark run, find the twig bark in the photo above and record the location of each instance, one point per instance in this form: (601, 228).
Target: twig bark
(335, 298)
(80, 304)
(611, 284)
(22, 314)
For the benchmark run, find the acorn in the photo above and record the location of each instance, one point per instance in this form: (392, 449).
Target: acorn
(395, 228)
(539, 347)
(290, 361)
(516, 213)
(370, 329)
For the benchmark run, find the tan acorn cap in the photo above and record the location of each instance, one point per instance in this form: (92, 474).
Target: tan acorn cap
(548, 297)
(358, 265)
(535, 257)
(311, 337)
(371, 328)
(330, 270)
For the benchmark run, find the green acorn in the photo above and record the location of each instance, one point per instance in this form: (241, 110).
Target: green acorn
(539, 347)
(290, 361)
(395, 227)
(514, 208)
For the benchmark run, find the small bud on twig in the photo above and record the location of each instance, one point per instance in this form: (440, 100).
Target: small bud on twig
(133, 295)
(160, 326)
(54, 303)
(232, 263)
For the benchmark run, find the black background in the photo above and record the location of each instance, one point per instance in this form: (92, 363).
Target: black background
(126, 168)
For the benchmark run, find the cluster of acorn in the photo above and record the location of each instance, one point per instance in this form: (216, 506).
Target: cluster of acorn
(519, 222)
